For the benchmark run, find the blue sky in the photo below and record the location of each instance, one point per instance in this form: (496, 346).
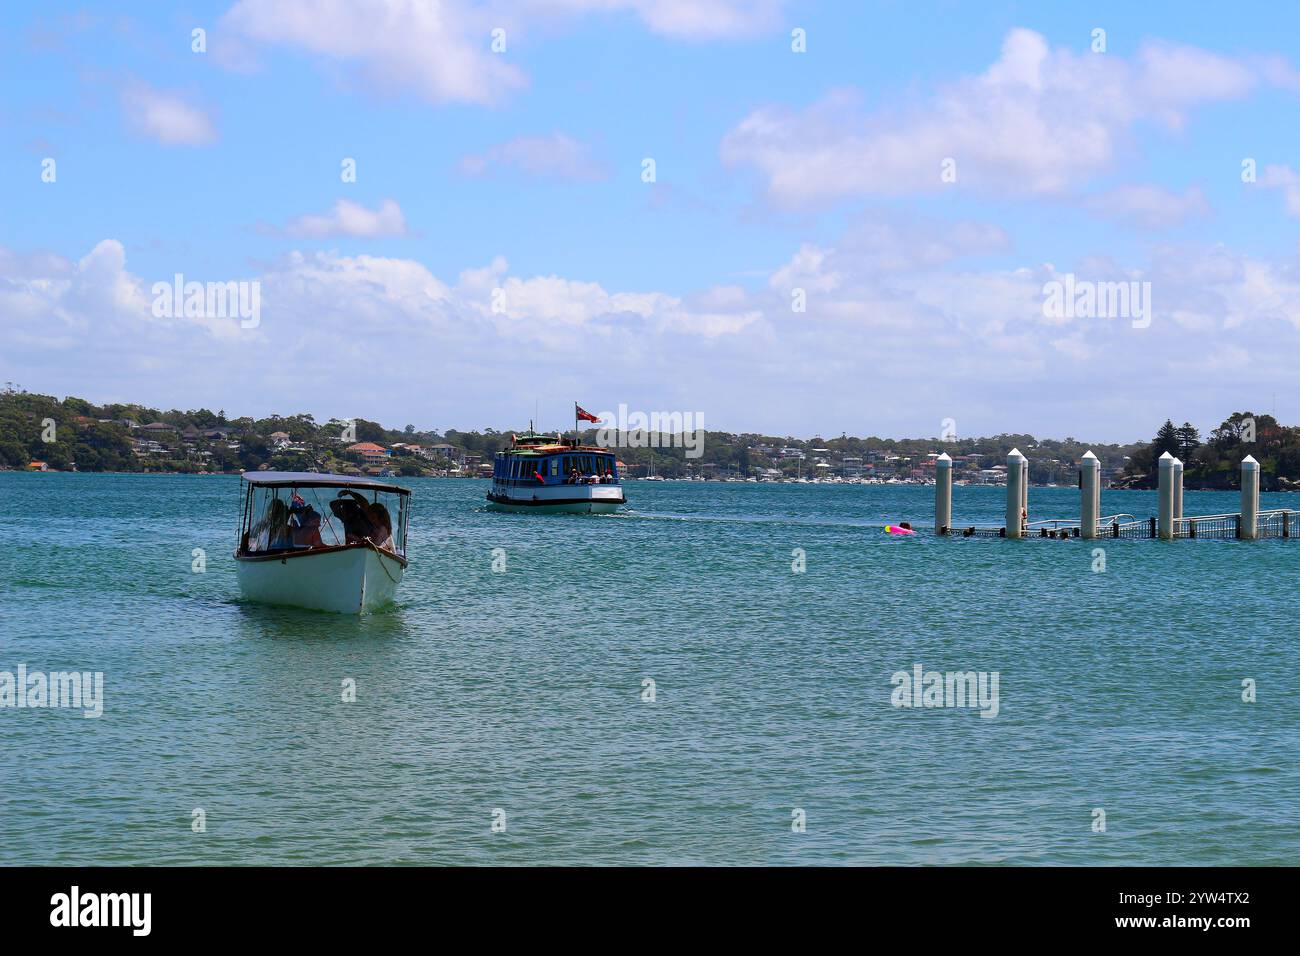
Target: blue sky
(521, 172)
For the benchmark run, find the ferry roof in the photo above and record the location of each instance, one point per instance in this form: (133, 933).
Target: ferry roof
(554, 449)
(311, 479)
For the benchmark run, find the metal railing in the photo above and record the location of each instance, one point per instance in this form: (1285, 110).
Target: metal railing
(1208, 526)
(1276, 523)
(1280, 523)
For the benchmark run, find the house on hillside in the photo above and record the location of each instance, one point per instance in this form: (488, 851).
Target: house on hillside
(375, 456)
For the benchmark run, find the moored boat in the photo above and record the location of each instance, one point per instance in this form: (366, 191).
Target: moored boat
(321, 541)
(538, 473)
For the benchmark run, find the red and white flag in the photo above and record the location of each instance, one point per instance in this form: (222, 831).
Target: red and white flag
(582, 415)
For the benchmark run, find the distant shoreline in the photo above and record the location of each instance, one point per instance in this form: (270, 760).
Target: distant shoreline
(710, 481)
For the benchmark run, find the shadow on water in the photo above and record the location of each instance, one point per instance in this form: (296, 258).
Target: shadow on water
(272, 622)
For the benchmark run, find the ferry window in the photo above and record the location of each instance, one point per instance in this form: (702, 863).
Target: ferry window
(555, 464)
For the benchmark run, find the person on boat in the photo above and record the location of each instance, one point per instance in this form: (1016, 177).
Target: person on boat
(609, 477)
(381, 526)
(353, 510)
(575, 477)
(304, 523)
(272, 532)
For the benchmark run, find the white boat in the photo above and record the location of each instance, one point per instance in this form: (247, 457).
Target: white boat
(540, 474)
(320, 541)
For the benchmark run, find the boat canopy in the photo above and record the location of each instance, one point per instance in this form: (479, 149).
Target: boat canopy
(311, 479)
(297, 511)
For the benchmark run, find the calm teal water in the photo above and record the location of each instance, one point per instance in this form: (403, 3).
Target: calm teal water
(521, 691)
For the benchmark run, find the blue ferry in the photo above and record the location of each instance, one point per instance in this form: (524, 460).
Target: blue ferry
(540, 473)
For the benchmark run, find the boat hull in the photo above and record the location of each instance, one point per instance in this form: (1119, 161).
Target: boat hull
(561, 499)
(347, 580)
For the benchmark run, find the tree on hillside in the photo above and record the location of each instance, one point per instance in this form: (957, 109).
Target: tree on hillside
(1189, 439)
(1166, 440)
(1237, 428)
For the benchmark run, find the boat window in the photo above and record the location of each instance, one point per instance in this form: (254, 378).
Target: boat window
(555, 464)
(297, 519)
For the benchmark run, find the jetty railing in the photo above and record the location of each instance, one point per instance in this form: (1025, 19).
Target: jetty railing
(1208, 526)
(1052, 523)
(1114, 528)
(1280, 523)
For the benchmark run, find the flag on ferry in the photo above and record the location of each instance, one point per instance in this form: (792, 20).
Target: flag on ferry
(583, 415)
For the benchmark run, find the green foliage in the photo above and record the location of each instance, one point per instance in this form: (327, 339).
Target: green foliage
(1216, 463)
(94, 438)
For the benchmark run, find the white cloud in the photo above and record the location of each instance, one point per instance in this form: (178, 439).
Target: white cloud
(556, 156)
(683, 19)
(438, 49)
(351, 219)
(1038, 121)
(355, 334)
(1288, 181)
(166, 117)
(441, 50)
(1149, 206)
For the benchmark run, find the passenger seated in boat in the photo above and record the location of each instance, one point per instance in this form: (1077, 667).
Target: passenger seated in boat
(609, 477)
(381, 526)
(272, 532)
(304, 524)
(354, 511)
(575, 477)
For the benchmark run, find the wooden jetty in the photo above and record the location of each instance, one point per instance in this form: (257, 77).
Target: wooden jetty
(1168, 524)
